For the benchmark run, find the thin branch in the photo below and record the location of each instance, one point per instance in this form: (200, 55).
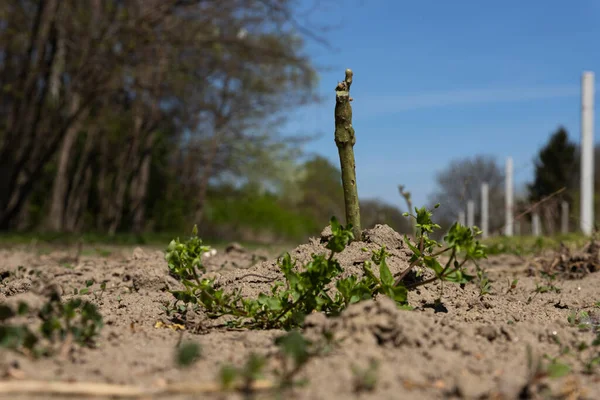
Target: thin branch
(94, 389)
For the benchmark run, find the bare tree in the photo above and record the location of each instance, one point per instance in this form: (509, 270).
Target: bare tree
(461, 181)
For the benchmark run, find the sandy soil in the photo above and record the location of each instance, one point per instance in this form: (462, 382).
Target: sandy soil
(469, 346)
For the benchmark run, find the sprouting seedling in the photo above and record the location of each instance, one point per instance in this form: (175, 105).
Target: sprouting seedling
(75, 319)
(88, 284)
(408, 199)
(185, 258)
(345, 139)
(252, 370)
(485, 285)
(365, 379)
(187, 354)
(460, 243)
(86, 290)
(512, 285)
(294, 354)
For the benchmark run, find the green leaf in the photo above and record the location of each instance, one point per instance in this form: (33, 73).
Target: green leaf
(398, 293)
(272, 303)
(227, 376)
(294, 345)
(187, 354)
(387, 279)
(556, 369)
(22, 308)
(412, 247)
(434, 264)
(254, 367)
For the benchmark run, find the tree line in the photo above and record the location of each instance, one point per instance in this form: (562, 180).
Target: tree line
(152, 115)
(556, 179)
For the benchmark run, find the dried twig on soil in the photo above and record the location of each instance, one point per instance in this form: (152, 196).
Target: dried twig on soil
(566, 264)
(345, 140)
(111, 390)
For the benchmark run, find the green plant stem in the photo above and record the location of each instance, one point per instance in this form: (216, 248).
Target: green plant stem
(449, 262)
(406, 271)
(345, 139)
(411, 266)
(288, 308)
(425, 282)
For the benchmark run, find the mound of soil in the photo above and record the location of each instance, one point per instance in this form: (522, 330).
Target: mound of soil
(464, 346)
(259, 278)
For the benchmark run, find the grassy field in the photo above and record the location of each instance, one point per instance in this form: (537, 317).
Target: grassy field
(518, 245)
(103, 245)
(526, 245)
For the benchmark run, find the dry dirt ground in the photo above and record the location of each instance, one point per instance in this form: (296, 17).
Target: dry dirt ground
(469, 346)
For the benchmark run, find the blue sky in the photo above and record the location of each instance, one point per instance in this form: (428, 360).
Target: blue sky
(440, 80)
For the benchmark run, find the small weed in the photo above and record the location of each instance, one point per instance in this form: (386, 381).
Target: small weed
(294, 352)
(187, 354)
(460, 243)
(549, 285)
(88, 284)
(580, 319)
(365, 379)
(485, 285)
(75, 320)
(512, 285)
(537, 369)
(252, 370)
(555, 369)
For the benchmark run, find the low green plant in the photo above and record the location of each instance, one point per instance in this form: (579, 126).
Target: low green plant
(75, 320)
(548, 285)
(460, 245)
(579, 319)
(306, 289)
(287, 304)
(294, 352)
(187, 353)
(512, 285)
(485, 284)
(252, 370)
(365, 379)
(88, 289)
(586, 353)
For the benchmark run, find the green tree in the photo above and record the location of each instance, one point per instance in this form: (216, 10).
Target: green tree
(555, 166)
(320, 188)
(555, 169)
(374, 211)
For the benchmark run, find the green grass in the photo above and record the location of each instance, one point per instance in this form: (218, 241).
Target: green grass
(103, 244)
(528, 245)
(88, 238)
